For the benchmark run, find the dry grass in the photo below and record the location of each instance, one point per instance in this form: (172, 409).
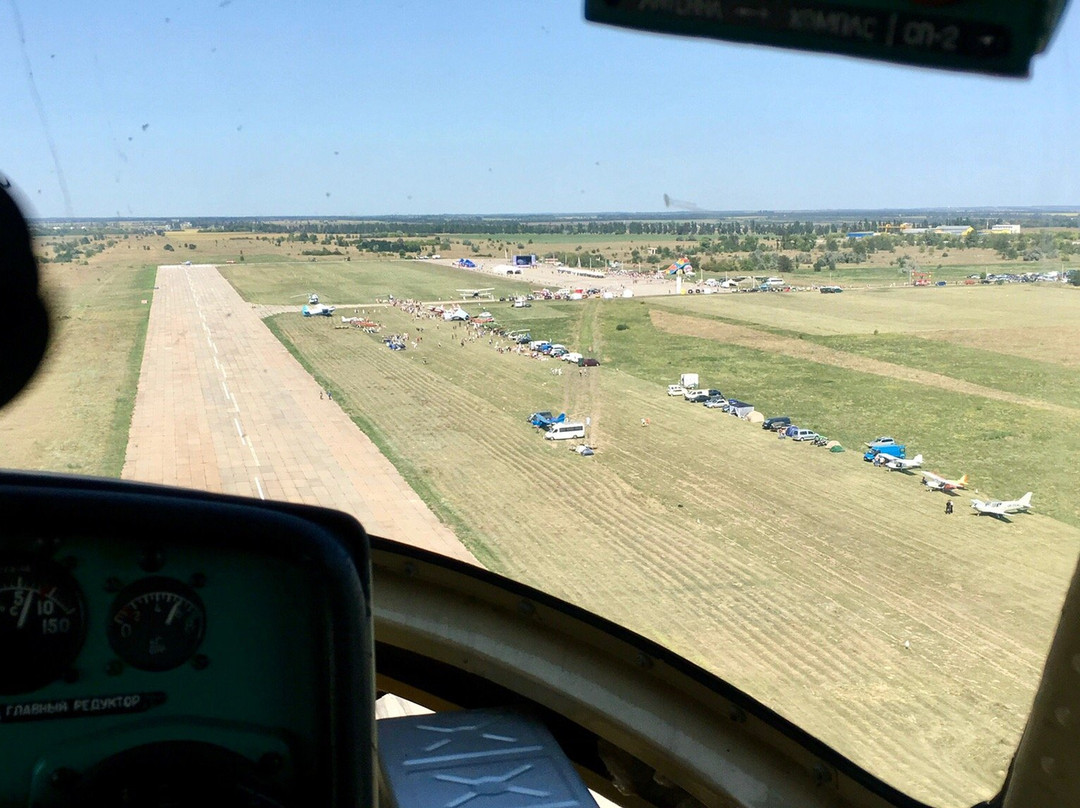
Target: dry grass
(796, 573)
(74, 416)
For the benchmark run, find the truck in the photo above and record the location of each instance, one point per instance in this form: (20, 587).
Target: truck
(542, 420)
(888, 449)
(688, 380)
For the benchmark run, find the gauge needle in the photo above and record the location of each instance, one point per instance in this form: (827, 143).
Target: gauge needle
(172, 613)
(25, 609)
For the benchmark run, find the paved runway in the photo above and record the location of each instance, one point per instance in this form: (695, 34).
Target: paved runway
(222, 406)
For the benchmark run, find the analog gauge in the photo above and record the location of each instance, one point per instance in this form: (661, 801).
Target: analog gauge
(156, 624)
(42, 623)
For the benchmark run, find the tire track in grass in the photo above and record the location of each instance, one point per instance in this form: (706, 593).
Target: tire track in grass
(744, 592)
(812, 352)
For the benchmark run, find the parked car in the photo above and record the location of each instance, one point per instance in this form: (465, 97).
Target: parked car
(696, 396)
(715, 402)
(589, 362)
(884, 440)
(776, 422)
(805, 434)
(675, 390)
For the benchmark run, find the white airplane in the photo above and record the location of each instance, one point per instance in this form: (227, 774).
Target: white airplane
(1000, 508)
(935, 482)
(317, 310)
(900, 463)
(473, 293)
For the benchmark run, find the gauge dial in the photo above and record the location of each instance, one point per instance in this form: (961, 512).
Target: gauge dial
(42, 623)
(156, 624)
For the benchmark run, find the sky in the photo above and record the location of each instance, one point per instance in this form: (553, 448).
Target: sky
(142, 108)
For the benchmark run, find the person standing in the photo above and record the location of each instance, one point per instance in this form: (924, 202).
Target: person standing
(948, 507)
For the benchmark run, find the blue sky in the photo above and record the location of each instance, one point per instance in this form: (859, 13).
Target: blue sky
(206, 108)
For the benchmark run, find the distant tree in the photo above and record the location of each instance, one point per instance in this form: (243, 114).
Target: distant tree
(1074, 276)
(784, 264)
(168, 248)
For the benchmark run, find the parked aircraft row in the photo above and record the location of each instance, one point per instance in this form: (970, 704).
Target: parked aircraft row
(879, 451)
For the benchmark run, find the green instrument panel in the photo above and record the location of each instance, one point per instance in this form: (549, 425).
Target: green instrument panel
(107, 647)
(988, 36)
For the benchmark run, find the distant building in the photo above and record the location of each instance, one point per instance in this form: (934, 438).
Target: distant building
(1005, 228)
(861, 234)
(954, 229)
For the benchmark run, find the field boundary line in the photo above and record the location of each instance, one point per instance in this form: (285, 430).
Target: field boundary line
(759, 339)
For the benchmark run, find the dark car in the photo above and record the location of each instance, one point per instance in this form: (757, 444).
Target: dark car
(776, 422)
(588, 362)
(697, 396)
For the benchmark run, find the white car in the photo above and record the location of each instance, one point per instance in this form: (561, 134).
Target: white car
(675, 390)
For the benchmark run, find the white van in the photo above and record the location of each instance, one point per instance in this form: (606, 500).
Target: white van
(565, 431)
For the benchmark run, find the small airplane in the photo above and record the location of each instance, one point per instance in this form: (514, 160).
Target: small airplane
(317, 310)
(900, 463)
(1000, 508)
(935, 482)
(475, 293)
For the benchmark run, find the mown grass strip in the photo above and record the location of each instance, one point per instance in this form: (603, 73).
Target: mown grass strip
(124, 405)
(1002, 446)
(417, 480)
(1033, 378)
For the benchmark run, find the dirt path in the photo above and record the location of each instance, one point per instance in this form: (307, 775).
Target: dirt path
(222, 406)
(800, 349)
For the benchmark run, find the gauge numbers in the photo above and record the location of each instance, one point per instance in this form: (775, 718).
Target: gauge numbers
(156, 624)
(42, 623)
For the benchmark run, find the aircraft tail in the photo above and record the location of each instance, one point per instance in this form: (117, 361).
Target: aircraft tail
(963, 481)
(916, 460)
(1025, 501)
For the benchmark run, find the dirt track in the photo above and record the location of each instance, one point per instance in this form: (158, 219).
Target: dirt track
(221, 406)
(800, 349)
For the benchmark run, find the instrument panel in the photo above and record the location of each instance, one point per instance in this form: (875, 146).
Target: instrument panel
(158, 662)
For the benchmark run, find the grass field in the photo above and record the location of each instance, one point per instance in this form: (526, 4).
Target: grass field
(796, 573)
(74, 417)
(361, 281)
